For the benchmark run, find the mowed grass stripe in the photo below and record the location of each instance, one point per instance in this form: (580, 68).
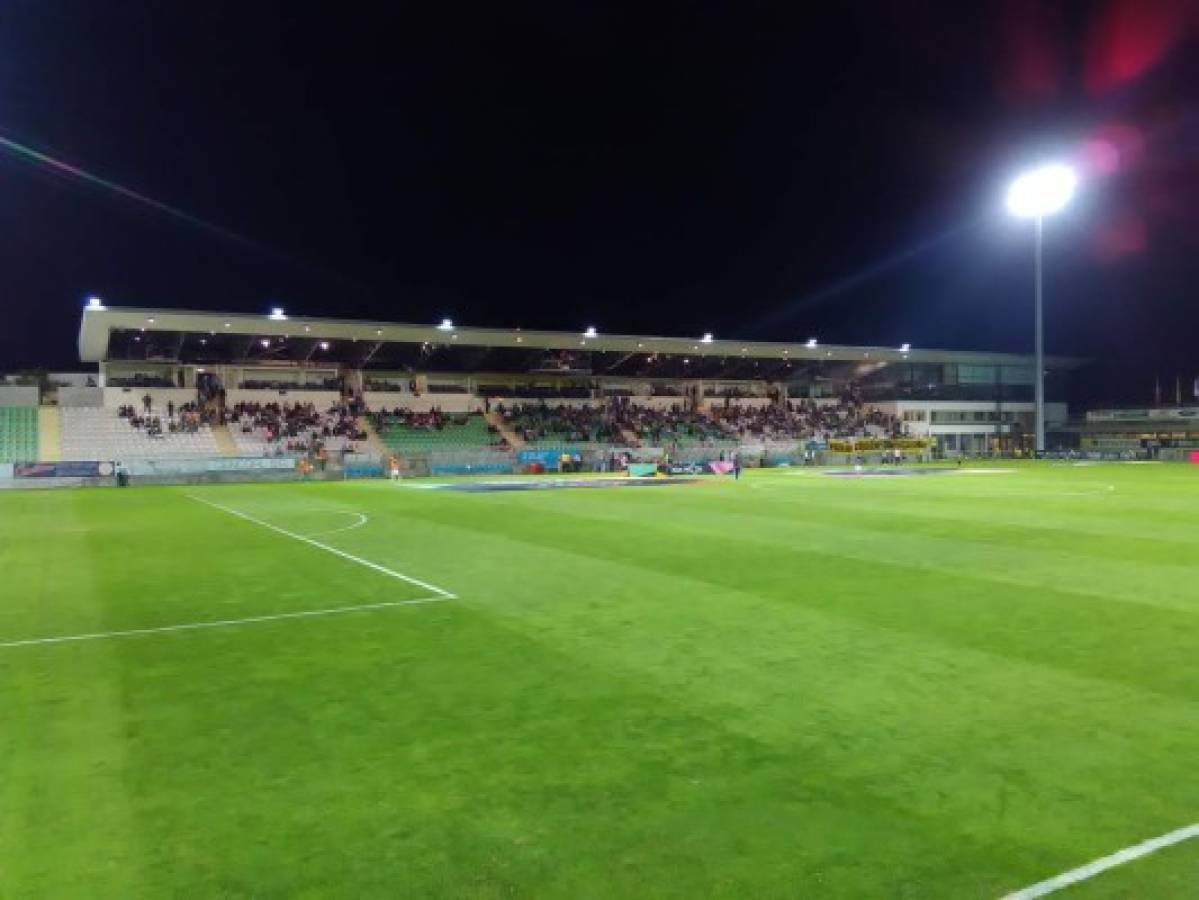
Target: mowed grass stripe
(1122, 764)
(1023, 516)
(180, 568)
(1057, 560)
(491, 772)
(588, 722)
(1041, 626)
(1130, 511)
(64, 766)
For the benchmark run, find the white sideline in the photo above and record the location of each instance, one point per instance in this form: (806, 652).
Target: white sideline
(219, 623)
(441, 592)
(1128, 854)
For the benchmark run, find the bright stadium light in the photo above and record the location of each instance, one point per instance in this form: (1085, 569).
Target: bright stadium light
(95, 303)
(446, 325)
(590, 332)
(324, 345)
(277, 314)
(1036, 194)
(266, 342)
(904, 348)
(1041, 191)
(811, 343)
(707, 338)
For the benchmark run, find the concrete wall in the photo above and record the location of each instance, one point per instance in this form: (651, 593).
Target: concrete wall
(115, 397)
(322, 400)
(450, 403)
(80, 396)
(551, 402)
(18, 395)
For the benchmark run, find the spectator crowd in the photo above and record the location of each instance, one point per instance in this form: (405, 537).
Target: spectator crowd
(806, 419)
(184, 419)
(540, 423)
(298, 427)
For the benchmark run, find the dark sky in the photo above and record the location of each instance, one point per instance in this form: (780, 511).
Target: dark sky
(763, 170)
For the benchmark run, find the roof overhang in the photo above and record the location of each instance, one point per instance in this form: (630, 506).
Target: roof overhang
(99, 324)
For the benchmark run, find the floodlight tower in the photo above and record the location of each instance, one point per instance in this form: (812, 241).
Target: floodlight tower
(1036, 194)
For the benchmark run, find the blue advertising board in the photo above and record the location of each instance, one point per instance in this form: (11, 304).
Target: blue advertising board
(64, 469)
(550, 459)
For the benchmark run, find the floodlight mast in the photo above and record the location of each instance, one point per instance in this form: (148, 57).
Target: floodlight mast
(1034, 195)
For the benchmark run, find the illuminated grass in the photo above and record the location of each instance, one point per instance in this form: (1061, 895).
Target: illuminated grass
(945, 686)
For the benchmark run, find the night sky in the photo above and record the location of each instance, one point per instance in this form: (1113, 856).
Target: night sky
(777, 171)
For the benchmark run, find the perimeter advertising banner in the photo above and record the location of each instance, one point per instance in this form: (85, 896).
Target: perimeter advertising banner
(143, 467)
(65, 469)
(549, 459)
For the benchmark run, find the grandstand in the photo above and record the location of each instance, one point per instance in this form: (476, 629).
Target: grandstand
(196, 385)
(557, 387)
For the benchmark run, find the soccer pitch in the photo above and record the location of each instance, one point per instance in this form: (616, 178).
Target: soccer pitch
(794, 685)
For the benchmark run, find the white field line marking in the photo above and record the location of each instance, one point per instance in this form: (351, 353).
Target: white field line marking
(362, 520)
(1098, 492)
(219, 623)
(1128, 854)
(441, 592)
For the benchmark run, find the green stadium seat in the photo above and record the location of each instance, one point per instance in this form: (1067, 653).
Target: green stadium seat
(472, 435)
(18, 434)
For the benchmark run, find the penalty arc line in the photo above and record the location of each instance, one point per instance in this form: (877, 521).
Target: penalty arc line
(1091, 869)
(218, 623)
(362, 520)
(441, 592)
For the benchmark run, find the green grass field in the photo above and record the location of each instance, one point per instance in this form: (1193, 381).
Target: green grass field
(794, 685)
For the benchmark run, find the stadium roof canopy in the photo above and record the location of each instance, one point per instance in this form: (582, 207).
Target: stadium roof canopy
(165, 335)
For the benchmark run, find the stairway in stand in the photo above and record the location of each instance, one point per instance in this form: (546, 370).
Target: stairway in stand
(49, 434)
(224, 441)
(496, 421)
(373, 441)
